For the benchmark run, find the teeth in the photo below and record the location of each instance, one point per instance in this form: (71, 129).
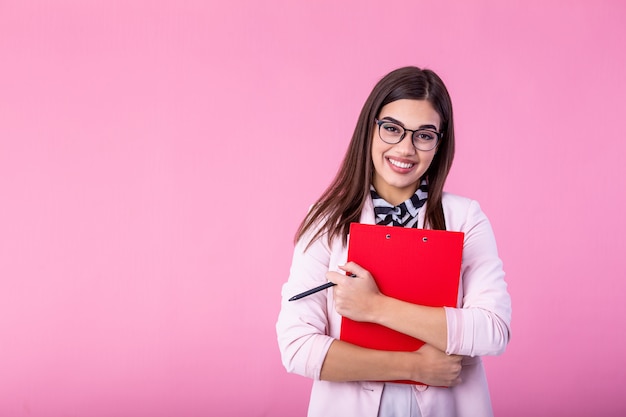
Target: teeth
(400, 164)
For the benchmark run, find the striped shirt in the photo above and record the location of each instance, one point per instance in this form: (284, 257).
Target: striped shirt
(404, 214)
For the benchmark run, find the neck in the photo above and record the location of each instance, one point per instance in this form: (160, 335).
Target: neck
(394, 195)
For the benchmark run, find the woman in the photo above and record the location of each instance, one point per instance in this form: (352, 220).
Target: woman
(393, 174)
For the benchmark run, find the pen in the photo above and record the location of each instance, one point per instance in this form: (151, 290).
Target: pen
(314, 290)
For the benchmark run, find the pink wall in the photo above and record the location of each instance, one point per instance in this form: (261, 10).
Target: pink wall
(156, 158)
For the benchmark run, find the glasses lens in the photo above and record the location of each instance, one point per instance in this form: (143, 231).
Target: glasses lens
(425, 140)
(391, 132)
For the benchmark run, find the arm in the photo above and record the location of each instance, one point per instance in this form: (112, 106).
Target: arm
(303, 326)
(482, 325)
(358, 298)
(347, 362)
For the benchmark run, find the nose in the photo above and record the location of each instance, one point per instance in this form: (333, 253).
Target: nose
(406, 144)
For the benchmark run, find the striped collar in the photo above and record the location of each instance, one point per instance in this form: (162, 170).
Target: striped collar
(404, 214)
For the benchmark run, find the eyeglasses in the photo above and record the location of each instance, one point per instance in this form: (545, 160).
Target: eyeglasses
(423, 139)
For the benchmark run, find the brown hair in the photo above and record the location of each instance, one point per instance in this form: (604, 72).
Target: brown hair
(342, 202)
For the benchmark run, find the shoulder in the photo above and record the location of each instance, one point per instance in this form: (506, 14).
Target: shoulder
(461, 212)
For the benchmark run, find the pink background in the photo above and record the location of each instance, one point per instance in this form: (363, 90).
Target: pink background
(157, 156)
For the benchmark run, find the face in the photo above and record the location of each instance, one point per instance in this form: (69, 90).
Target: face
(398, 168)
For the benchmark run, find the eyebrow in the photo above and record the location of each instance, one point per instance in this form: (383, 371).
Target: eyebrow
(391, 119)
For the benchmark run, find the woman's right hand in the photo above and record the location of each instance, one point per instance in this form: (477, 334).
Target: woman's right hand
(436, 368)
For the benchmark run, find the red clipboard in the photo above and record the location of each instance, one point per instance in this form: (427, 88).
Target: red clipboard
(420, 266)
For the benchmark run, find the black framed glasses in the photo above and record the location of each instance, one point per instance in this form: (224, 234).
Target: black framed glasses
(423, 139)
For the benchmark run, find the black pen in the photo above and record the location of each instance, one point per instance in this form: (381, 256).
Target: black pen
(314, 290)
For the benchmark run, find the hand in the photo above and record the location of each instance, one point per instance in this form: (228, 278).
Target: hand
(434, 367)
(356, 297)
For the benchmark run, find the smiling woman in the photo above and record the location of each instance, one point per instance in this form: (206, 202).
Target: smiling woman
(388, 180)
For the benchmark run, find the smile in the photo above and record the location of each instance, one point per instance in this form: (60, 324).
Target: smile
(404, 165)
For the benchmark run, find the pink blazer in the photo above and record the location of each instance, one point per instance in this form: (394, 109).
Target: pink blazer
(481, 326)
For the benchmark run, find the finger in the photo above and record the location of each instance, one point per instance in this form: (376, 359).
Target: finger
(452, 383)
(335, 277)
(354, 269)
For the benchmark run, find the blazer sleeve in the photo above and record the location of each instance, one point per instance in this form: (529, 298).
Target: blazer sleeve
(481, 326)
(302, 326)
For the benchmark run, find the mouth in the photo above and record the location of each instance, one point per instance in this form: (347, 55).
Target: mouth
(400, 164)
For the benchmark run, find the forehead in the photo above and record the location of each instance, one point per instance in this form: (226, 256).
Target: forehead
(412, 113)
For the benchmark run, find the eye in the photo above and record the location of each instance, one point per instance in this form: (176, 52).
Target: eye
(425, 135)
(392, 128)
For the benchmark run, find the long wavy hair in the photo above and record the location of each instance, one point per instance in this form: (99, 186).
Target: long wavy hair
(342, 202)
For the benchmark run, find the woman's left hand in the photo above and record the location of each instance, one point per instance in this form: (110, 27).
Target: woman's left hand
(356, 297)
